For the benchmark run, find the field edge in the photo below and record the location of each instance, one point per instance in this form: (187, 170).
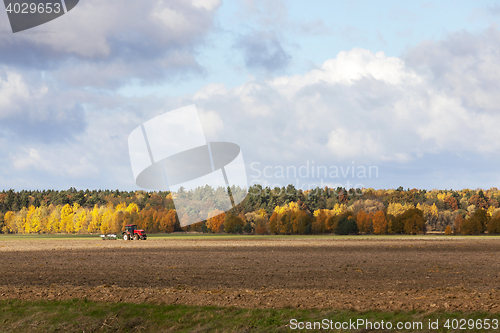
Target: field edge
(77, 315)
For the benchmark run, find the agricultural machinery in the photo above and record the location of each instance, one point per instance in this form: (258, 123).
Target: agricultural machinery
(131, 232)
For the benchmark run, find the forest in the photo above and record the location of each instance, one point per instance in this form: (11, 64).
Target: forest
(285, 210)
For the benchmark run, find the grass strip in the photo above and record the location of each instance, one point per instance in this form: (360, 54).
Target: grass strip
(86, 316)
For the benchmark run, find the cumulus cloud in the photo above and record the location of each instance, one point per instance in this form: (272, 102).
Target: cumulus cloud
(108, 43)
(95, 158)
(31, 110)
(364, 106)
(464, 66)
(436, 104)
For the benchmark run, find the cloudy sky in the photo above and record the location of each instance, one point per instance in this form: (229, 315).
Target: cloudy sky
(408, 90)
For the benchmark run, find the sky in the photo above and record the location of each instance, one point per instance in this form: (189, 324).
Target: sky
(376, 94)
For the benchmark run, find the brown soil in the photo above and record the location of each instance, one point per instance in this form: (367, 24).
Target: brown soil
(425, 274)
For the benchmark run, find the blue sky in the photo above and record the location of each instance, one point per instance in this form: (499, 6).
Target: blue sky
(409, 88)
(312, 33)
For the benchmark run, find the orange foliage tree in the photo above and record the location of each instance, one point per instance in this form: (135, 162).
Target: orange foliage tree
(447, 231)
(457, 226)
(379, 223)
(216, 221)
(365, 222)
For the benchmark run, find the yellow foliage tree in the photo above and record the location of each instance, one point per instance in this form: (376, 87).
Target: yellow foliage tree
(132, 208)
(29, 226)
(434, 210)
(81, 220)
(491, 210)
(319, 223)
(9, 221)
(262, 213)
(121, 207)
(339, 209)
(107, 219)
(20, 220)
(95, 222)
(54, 221)
(67, 219)
(396, 209)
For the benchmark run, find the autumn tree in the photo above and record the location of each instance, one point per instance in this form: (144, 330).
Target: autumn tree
(394, 224)
(273, 223)
(261, 223)
(476, 224)
(457, 225)
(233, 224)
(379, 223)
(169, 222)
(397, 209)
(479, 201)
(9, 223)
(66, 219)
(494, 224)
(413, 221)
(95, 221)
(81, 220)
(470, 226)
(447, 231)
(33, 220)
(364, 222)
(481, 215)
(451, 203)
(216, 221)
(319, 223)
(301, 222)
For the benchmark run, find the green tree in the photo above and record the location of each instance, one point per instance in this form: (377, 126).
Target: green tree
(346, 226)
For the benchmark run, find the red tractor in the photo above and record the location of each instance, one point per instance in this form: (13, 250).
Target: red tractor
(131, 232)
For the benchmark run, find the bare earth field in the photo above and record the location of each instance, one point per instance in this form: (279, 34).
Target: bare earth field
(447, 273)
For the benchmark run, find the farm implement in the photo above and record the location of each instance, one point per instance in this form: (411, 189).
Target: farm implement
(108, 236)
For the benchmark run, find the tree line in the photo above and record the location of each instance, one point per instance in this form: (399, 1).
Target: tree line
(283, 210)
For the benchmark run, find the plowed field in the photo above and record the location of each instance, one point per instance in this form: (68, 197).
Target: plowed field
(448, 273)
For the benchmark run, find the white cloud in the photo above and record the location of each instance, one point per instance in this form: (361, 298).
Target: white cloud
(438, 100)
(206, 4)
(366, 106)
(211, 123)
(106, 44)
(350, 144)
(14, 88)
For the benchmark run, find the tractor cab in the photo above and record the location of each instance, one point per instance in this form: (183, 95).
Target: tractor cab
(130, 228)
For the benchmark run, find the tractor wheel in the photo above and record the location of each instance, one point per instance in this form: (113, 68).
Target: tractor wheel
(136, 237)
(126, 237)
